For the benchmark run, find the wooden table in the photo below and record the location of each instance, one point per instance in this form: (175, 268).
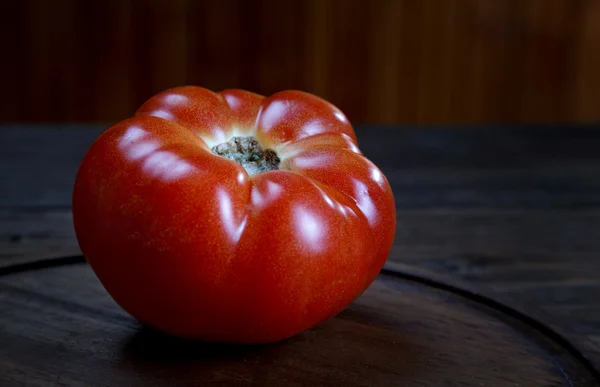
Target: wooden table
(512, 211)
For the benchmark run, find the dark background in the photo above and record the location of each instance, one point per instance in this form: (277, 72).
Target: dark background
(482, 114)
(380, 61)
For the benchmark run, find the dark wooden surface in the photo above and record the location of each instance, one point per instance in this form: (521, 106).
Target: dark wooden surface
(514, 211)
(64, 330)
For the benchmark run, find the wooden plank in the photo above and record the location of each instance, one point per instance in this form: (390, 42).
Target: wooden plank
(398, 333)
(402, 61)
(495, 167)
(516, 210)
(544, 258)
(27, 236)
(38, 166)
(586, 93)
(12, 19)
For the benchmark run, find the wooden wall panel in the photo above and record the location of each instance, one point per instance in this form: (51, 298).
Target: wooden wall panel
(585, 101)
(388, 61)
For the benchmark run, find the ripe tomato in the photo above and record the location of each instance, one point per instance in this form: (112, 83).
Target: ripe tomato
(231, 216)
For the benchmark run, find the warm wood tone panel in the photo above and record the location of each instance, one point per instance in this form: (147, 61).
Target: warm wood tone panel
(586, 101)
(392, 61)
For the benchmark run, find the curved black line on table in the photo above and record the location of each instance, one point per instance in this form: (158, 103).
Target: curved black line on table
(41, 264)
(407, 273)
(530, 318)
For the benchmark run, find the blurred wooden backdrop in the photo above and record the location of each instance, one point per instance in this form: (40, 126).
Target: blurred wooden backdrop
(390, 61)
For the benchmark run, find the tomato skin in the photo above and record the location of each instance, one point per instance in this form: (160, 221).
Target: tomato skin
(190, 244)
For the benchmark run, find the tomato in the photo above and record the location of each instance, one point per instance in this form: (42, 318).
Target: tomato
(233, 217)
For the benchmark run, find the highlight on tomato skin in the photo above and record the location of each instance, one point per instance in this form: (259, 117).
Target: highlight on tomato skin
(231, 216)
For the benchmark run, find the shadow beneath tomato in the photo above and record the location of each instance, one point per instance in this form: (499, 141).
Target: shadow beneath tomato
(159, 359)
(150, 345)
(346, 350)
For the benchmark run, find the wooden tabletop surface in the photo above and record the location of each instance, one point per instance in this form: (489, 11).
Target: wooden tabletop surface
(512, 210)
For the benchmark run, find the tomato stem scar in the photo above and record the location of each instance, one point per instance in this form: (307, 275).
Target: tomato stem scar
(247, 152)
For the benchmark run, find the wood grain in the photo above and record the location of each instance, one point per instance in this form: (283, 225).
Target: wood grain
(547, 259)
(515, 210)
(399, 333)
(384, 61)
(587, 48)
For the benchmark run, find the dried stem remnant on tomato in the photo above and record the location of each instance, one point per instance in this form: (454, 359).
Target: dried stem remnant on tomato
(247, 152)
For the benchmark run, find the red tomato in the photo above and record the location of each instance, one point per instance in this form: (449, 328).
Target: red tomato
(279, 231)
